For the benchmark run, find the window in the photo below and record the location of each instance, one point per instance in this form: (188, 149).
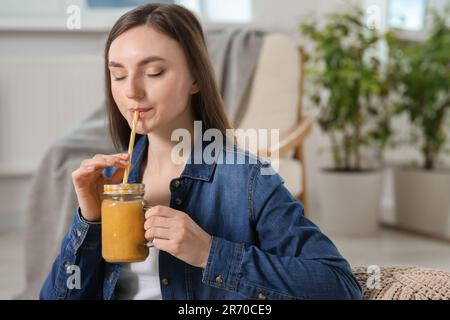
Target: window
(120, 3)
(100, 15)
(220, 11)
(227, 11)
(407, 14)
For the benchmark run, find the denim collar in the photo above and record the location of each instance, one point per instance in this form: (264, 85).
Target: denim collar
(198, 171)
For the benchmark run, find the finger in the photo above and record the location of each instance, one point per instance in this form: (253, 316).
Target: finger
(109, 158)
(157, 222)
(93, 167)
(91, 172)
(106, 162)
(81, 173)
(161, 211)
(84, 172)
(122, 155)
(101, 163)
(116, 158)
(157, 233)
(161, 244)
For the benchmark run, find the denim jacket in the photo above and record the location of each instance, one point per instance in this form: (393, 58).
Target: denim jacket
(262, 245)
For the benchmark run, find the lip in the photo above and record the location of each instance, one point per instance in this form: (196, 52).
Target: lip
(142, 111)
(139, 109)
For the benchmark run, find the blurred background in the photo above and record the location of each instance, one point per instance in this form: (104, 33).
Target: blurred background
(362, 86)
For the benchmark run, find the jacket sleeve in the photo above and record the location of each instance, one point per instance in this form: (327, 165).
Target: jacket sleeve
(293, 259)
(77, 271)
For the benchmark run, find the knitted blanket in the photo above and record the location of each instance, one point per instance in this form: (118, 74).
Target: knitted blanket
(403, 283)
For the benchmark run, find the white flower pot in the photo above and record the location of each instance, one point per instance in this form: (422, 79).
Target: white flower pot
(349, 201)
(423, 200)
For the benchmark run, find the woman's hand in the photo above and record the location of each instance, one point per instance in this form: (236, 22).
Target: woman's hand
(175, 232)
(88, 181)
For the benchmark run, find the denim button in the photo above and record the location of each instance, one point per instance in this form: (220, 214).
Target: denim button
(165, 281)
(67, 265)
(178, 201)
(219, 280)
(175, 184)
(262, 296)
(78, 232)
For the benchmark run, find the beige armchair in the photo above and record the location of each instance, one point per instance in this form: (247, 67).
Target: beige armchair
(274, 101)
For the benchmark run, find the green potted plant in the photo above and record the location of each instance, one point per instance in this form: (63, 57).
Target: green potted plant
(350, 91)
(422, 193)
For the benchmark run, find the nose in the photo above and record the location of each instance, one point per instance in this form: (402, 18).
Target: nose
(134, 89)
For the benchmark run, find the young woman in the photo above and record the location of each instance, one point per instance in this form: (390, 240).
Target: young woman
(220, 231)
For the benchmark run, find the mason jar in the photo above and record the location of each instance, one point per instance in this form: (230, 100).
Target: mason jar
(123, 217)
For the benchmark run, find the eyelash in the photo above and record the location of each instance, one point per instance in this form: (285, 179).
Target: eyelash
(148, 75)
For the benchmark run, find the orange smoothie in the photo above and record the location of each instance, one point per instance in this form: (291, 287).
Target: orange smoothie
(123, 231)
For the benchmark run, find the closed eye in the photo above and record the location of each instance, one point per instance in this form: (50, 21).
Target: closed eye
(118, 78)
(150, 75)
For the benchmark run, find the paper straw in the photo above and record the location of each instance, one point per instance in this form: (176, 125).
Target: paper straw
(130, 147)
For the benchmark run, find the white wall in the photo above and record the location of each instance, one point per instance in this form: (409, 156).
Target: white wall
(49, 82)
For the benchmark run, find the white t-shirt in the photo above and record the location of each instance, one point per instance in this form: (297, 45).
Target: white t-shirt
(140, 280)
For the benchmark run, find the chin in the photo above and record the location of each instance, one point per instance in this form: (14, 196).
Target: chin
(144, 128)
(142, 131)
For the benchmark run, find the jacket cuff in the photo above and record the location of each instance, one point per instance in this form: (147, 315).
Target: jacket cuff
(223, 269)
(84, 233)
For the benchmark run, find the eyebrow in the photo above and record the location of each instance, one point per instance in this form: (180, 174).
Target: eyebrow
(140, 63)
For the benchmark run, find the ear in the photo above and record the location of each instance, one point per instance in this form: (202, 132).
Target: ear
(195, 88)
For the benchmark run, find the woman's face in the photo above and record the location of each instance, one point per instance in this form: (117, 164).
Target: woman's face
(149, 73)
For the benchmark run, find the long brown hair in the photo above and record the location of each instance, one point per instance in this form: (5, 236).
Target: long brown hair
(181, 25)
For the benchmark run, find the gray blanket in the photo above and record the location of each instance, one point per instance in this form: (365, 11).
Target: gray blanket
(234, 55)
(52, 199)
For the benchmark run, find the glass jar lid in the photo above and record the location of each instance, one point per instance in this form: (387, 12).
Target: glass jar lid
(129, 188)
